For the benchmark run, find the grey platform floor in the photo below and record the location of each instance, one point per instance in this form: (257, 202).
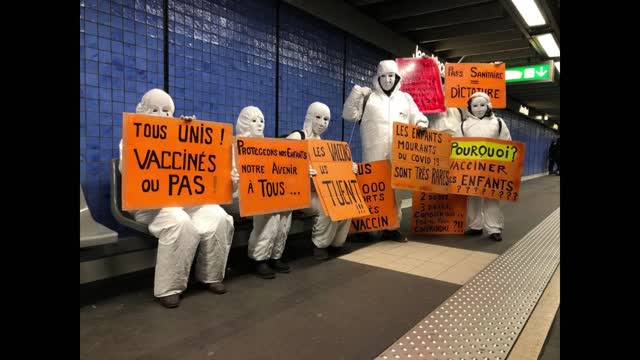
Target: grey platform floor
(322, 310)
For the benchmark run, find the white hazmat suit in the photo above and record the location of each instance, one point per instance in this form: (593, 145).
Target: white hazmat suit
(483, 213)
(384, 106)
(269, 235)
(325, 232)
(448, 121)
(183, 231)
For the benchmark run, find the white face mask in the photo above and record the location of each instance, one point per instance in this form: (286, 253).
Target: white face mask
(256, 126)
(160, 110)
(320, 122)
(387, 80)
(158, 103)
(479, 107)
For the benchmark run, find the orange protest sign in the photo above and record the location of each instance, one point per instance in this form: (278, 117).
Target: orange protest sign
(274, 175)
(486, 167)
(170, 162)
(462, 80)
(438, 213)
(374, 179)
(419, 159)
(335, 181)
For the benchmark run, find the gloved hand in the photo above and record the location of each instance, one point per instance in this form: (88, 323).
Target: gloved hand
(235, 177)
(354, 167)
(422, 126)
(312, 172)
(362, 90)
(235, 180)
(187, 118)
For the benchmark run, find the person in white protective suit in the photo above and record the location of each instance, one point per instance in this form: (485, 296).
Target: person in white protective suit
(270, 231)
(183, 231)
(447, 121)
(326, 235)
(483, 213)
(450, 119)
(377, 110)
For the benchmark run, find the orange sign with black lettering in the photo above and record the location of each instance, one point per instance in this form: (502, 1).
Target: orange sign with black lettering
(438, 213)
(171, 162)
(274, 175)
(485, 167)
(335, 181)
(375, 185)
(420, 159)
(462, 80)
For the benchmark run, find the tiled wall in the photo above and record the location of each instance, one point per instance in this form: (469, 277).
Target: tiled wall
(311, 69)
(536, 137)
(222, 57)
(121, 57)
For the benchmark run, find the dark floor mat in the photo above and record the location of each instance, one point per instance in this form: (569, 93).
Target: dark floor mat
(330, 310)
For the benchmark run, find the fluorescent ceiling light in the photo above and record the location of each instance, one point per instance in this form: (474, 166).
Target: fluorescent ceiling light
(549, 45)
(538, 117)
(557, 64)
(529, 12)
(523, 110)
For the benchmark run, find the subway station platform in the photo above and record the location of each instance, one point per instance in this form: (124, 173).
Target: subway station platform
(434, 297)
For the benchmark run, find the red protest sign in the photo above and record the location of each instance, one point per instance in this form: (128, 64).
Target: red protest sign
(421, 80)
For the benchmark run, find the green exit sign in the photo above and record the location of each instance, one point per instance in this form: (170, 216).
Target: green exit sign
(531, 73)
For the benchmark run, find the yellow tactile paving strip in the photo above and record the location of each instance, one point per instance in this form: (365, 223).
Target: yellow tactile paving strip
(530, 342)
(432, 261)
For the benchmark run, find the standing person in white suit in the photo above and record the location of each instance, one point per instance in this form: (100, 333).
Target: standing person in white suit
(377, 110)
(269, 235)
(205, 231)
(483, 213)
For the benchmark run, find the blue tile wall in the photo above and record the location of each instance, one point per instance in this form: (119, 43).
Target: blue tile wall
(537, 153)
(311, 69)
(361, 63)
(121, 57)
(222, 58)
(536, 137)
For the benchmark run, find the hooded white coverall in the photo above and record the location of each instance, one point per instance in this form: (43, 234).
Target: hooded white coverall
(376, 128)
(269, 235)
(325, 232)
(448, 120)
(181, 231)
(484, 212)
